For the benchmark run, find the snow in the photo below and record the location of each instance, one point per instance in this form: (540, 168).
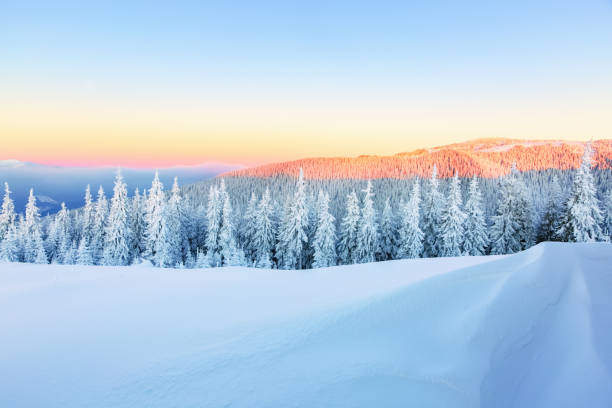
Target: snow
(530, 329)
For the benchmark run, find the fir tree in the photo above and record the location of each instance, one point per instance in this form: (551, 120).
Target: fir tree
(551, 221)
(292, 238)
(154, 212)
(118, 237)
(453, 217)
(33, 250)
(87, 217)
(99, 227)
(249, 229)
(227, 243)
(476, 238)
(411, 236)
(349, 229)
(263, 239)
(607, 231)
(389, 238)
(324, 242)
(7, 213)
(367, 235)
(9, 246)
(139, 225)
(168, 252)
(433, 205)
(84, 256)
(583, 218)
(213, 215)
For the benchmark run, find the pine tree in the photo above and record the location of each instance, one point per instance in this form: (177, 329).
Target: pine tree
(248, 230)
(168, 252)
(367, 235)
(154, 212)
(349, 229)
(292, 238)
(476, 238)
(99, 227)
(9, 246)
(551, 221)
(118, 230)
(324, 242)
(607, 231)
(83, 256)
(227, 243)
(87, 217)
(33, 250)
(433, 205)
(388, 234)
(411, 235)
(60, 236)
(139, 226)
(213, 215)
(263, 239)
(453, 217)
(7, 214)
(583, 218)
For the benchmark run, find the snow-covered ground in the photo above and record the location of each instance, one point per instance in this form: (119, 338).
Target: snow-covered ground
(527, 330)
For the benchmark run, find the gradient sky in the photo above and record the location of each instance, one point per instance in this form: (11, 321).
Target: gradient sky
(177, 82)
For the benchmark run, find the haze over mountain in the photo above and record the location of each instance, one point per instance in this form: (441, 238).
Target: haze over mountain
(54, 184)
(481, 157)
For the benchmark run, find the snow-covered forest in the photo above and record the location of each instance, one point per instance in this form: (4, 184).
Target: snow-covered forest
(308, 227)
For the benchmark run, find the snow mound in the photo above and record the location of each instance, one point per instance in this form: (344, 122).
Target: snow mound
(532, 329)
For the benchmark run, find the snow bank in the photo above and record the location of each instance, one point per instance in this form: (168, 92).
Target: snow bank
(531, 329)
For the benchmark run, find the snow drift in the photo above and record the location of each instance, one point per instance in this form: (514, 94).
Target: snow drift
(532, 329)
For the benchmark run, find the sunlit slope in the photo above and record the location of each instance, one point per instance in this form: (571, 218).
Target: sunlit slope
(532, 329)
(482, 157)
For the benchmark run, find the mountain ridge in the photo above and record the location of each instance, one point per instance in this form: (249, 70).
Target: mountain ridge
(490, 157)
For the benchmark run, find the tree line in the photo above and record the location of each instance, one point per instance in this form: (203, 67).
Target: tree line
(299, 230)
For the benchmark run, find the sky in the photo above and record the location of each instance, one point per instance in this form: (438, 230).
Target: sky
(162, 83)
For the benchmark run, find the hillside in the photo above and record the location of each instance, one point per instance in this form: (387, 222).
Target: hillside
(531, 329)
(483, 157)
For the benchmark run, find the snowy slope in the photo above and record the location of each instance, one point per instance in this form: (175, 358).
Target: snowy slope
(527, 330)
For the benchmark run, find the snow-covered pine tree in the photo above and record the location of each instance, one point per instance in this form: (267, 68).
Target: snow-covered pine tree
(168, 252)
(10, 245)
(139, 225)
(154, 211)
(33, 250)
(292, 237)
(551, 221)
(607, 230)
(349, 230)
(433, 204)
(59, 238)
(227, 242)
(7, 213)
(83, 256)
(476, 238)
(411, 235)
(324, 242)
(248, 230)
(512, 222)
(85, 228)
(453, 218)
(213, 215)
(389, 238)
(582, 220)
(118, 239)
(99, 228)
(263, 238)
(367, 235)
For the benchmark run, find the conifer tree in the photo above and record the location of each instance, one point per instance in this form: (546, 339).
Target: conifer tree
(388, 234)
(551, 221)
(411, 235)
(292, 238)
(9, 246)
(249, 229)
(324, 242)
(99, 228)
(168, 252)
(7, 213)
(453, 218)
(33, 250)
(476, 239)
(433, 205)
(349, 229)
(83, 256)
(227, 243)
(139, 225)
(154, 212)
(367, 235)
(608, 220)
(582, 220)
(213, 215)
(118, 237)
(87, 217)
(263, 239)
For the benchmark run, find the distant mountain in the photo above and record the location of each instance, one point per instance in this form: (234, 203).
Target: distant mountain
(55, 184)
(481, 157)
